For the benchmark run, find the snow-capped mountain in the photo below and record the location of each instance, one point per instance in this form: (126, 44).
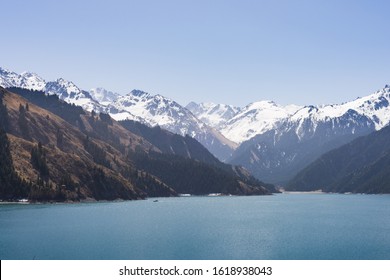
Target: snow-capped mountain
(70, 93)
(277, 154)
(66, 90)
(25, 80)
(375, 107)
(150, 109)
(103, 96)
(256, 118)
(32, 81)
(260, 117)
(158, 110)
(275, 141)
(214, 115)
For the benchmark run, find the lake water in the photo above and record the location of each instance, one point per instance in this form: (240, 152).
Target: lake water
(284, 226)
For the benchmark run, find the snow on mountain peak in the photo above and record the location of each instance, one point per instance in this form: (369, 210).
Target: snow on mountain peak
(236, 124)
(103, 96)
(256, 118)
(262, 116)
(63, 88)
(158, 110)
(9, 78)
(155, 109)
(33, 81)
(69, 92)
(374, 106)
(25, 80)
(138, 93)
(214, 115)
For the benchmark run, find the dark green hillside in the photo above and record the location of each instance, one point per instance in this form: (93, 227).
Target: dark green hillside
(171, 143)
(361, 166)
(179, 153)
(373, 178)
(195, 177)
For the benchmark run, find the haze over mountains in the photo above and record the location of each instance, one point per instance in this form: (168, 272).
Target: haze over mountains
(272, 141)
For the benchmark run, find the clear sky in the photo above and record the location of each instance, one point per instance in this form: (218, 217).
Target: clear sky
(234, 52)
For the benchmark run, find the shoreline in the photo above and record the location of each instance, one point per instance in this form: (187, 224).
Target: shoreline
(305, 192)
(319, 192)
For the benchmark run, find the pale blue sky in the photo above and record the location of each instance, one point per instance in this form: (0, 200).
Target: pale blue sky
(235, 52)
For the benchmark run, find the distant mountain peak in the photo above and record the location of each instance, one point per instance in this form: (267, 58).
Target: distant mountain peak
(213, 114)
(256, 118)
(139, 93)
(159, 110)
(63, 88)
(26, 80)
(263, 103)
(28, 74)
(103, 96)
(5, 70)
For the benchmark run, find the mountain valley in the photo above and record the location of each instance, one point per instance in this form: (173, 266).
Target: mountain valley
(271, 141)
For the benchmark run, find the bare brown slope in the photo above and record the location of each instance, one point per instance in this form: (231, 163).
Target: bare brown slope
(44, 126)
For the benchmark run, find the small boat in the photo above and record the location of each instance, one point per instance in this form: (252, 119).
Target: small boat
(184, 194)
(214, 194)
(155, 200)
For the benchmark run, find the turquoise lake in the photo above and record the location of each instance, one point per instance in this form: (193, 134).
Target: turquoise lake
(283, 226)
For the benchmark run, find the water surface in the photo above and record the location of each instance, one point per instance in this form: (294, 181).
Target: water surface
(285, 226)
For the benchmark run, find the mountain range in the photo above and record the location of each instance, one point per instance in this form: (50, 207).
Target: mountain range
(277, 154)
(137, 105)
(273, 142)
(53, 150)
(157, 110)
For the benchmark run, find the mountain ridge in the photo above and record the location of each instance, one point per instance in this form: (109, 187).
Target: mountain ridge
(272, 141)
(278, 154)
(137, 105)
(94, 157)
